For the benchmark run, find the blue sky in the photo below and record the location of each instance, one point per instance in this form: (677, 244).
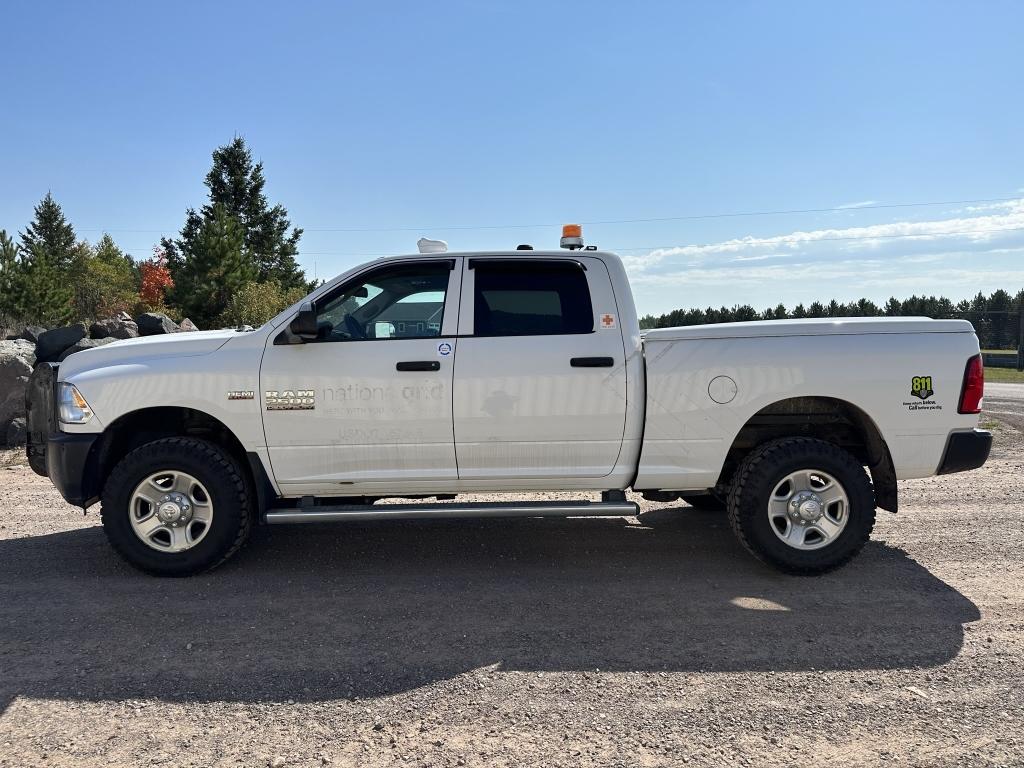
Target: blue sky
(377, 116)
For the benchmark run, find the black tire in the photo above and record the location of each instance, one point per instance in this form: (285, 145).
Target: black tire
(206, 462)
(756, 479)
(707, 502)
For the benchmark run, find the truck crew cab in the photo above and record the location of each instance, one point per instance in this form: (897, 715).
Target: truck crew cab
(440, 373)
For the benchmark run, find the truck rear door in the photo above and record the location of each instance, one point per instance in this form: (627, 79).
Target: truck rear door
(540, 382)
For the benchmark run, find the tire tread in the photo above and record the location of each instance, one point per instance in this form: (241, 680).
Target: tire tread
(210, 453)
(781, 449)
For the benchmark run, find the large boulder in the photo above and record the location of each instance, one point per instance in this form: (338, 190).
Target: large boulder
(114, 328)
(187, 325)
(82, 344)
(51, 345)
(16, 361)
(17, 431)
(154, 323)
(31, 333)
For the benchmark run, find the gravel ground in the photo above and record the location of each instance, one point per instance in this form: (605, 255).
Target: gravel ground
(643, 642)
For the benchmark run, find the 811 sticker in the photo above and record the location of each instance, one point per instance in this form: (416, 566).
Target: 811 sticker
(444, 349)
(921, 386)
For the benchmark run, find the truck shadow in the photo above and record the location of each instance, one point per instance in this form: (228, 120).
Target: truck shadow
(370, 609)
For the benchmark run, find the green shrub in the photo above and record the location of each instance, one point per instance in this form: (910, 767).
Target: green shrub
(255, 303)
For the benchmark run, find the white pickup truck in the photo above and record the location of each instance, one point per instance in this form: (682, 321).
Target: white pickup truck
(523, 371)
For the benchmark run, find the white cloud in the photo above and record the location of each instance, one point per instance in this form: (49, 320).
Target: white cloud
(973, 228)
(954, 256)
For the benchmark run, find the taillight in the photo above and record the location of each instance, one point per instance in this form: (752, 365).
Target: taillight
(974, 386)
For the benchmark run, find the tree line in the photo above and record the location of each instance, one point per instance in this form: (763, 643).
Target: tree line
(233, 262)
(995, 317)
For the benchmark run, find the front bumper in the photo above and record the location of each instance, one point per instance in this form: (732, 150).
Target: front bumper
(70, 460)
(965, 450)
(71, 464)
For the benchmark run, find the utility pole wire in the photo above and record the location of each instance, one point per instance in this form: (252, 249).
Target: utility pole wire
(688, 217)
(752, 243)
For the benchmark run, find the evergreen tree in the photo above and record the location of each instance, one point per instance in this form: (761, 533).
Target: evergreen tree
(269, 242)
(10, 266)
(1000, 328)
(867, 308)
(38, 291)
(215, 265)
(742, 313)
(50, 234)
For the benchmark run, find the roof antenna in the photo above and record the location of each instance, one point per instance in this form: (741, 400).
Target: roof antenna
(426, 245)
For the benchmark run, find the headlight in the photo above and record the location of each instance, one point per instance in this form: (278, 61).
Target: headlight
(71, 406)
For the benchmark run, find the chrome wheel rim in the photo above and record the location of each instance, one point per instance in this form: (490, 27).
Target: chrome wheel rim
(171, 511)
(808, 509)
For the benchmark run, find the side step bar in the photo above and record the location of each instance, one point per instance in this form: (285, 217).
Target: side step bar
(361, 512)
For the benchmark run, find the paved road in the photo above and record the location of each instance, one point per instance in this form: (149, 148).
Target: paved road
(1005, 402)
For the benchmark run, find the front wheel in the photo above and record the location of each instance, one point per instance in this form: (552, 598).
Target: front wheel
(176, 507)
(805, 506)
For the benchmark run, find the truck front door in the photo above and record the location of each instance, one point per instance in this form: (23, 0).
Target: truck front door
(369, 401)
(540, 375)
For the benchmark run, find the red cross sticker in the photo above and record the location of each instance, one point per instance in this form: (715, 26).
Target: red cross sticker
(607, 321)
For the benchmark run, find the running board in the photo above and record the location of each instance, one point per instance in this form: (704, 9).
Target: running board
(361, 512)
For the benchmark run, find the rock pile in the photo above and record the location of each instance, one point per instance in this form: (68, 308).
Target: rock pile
(33, 344)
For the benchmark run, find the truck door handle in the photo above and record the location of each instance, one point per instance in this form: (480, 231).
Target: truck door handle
(592, 362)
(418, 365)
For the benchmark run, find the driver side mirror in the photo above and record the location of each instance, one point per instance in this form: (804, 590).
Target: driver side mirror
(303, 324)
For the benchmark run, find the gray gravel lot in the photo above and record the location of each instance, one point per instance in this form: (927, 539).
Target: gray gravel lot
(649, 641)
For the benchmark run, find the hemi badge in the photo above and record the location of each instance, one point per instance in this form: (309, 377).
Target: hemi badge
(241, 394)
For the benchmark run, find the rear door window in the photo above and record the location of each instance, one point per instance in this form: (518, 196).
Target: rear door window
(531, 298)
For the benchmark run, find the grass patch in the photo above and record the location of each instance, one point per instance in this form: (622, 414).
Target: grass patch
(1010, 375)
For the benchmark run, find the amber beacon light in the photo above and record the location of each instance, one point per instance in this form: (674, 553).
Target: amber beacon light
(572, 237)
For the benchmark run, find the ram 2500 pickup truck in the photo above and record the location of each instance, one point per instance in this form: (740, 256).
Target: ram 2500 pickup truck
(438, 374)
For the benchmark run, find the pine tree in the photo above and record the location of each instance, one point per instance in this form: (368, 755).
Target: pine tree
(10, 266)
(39, 291)
(50, 234)
(1000, 330)
(217, 264)
(236, 185)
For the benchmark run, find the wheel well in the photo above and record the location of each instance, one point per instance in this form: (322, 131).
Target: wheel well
(143, 426)
(825, 418)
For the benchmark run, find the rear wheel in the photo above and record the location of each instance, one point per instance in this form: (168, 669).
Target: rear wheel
(802, 505)
(176, 507)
